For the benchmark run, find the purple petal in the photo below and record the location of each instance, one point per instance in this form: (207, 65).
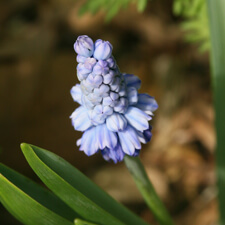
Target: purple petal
(89, 63)
(79, 142)
(115, 84)
(132, 95)
(99, 141)
(81, 77)
(97, 118)
(129, 140)
(146, 103)
(80, 119)
(96, 138)
(111, 62)
(84, 46)
(116, 122)
(81, 59)
(102, 90)
(94, 99)
(148, 134)
(86, 102)
(132, 80)
(103, 50)
(114, 96)
(94, 81)
(137, 118)
(85, 87)
(136, 153)
(82, 70)
(115, 154)
(107, 110)
(87, 142)
(107, 101)
(76, 93)
(107, 78)
(123, 90)
(145, 136)
(121, 106)
(101, 68)
(109, 137)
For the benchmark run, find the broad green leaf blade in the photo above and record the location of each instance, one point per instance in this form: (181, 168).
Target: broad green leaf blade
(24, 208)
(82, 222)
(38, 193)
(216, 12)
(83, 184)
(86, 208)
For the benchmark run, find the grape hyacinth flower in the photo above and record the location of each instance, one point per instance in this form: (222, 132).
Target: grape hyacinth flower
(112, 115)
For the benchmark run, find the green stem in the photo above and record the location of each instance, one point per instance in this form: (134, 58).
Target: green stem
(216, 11)
(144, 185)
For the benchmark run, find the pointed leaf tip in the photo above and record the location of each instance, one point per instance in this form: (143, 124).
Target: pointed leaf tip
(23, 145)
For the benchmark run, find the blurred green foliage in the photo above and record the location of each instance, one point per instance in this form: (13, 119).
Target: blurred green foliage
(196, 21)
(194, 12)
(111, 7)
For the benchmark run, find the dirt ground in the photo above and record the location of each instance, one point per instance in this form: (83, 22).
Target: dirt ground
(38, 69)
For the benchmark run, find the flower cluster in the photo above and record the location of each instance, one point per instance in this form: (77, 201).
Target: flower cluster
(112, 115)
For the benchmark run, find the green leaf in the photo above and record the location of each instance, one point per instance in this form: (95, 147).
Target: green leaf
(216, 11)
(52, 169)
(86, 208)
(24, 208)
(38, 193)
(82, 222)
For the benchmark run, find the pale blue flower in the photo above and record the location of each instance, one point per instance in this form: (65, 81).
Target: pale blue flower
(111, 62)
(113, 116)
(84, 46)
(107, 78)
(103, 50)
(101, 68)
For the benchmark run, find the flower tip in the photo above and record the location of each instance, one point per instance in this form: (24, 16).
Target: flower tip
(22, 145)
(103, 50)
(84, 46)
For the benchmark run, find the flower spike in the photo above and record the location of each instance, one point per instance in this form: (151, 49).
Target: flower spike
(112, 115)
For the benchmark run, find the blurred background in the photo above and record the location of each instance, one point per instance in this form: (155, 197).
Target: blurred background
(38, 69)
